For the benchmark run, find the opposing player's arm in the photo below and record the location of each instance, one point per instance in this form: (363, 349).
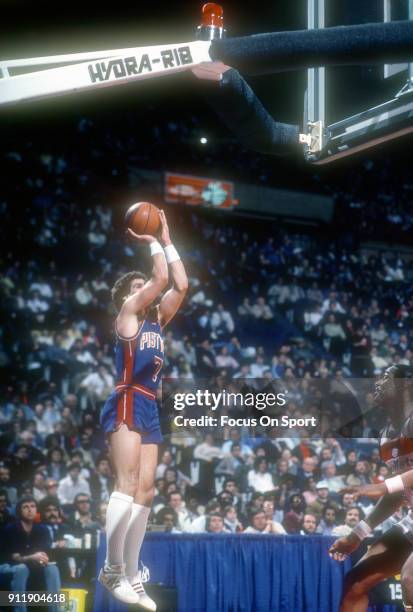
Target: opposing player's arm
(395, 484)
(173, 298)
(385, 507)
(155, 285)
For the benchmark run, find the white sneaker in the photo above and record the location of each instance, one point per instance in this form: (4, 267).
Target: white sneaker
(117, 583)
(144, 600)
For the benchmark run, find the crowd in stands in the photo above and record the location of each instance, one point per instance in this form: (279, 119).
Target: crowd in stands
(303, 308)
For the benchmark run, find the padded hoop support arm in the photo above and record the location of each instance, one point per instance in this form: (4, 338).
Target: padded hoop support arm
(238, 107)
(345, 45)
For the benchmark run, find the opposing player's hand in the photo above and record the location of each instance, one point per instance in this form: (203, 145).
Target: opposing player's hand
(373, 491)
(343, 547)
(164, 237)
(140, 237)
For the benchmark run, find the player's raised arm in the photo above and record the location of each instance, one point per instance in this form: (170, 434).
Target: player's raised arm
(155, 285)
(173, 298)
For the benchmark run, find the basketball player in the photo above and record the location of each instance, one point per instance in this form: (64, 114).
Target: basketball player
(391, 552)
(130, 415)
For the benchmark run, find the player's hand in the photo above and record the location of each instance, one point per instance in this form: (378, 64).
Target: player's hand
(146, 238)
(373, 491)
(164, 237)
(343, 547)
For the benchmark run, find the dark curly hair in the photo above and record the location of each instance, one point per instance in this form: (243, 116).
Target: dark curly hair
(401, 371)
(121, 288)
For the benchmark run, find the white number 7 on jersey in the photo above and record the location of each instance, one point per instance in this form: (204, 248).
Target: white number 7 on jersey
(158, 366)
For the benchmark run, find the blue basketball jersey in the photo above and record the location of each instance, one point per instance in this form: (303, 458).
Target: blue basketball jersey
(139, 359)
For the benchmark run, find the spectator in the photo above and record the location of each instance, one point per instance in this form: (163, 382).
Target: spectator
(309, 524)
(37, 307)
(166, 461)
(6, 486)
(175, 501)
(207, 451)
(83, 294)
(360, 475)
(269, 511)
(89, 454)
(56, 466)
(260, 524)
(167, 518)
(98, 385)
(353, 516)
(39, 486)
(235, 438)
(21, 464)
(51, 515)
(205, 359)
(233, 464)
(259, 478)
(101, 515)
(101, 481)
(5, 513)
(245, 310)
(215, 524)
(231, 522)
(42, 420)
(261, 310)
(82, 517)
(222, 323)
(258, 368)
(76, 458)
(322, 501)
(230, 486)
(225, 360)
(347, 501)
(328, 521)
(198, 525)
(334, 336)
(51, 487)
(293, 519)
(335, 483)
(25, 547)
(310, 493)
(71, 485)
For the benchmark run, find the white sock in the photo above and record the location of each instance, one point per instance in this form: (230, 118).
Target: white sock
(117, 517)
(134, 538)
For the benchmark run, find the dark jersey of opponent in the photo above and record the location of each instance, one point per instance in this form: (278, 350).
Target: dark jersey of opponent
(139, 359)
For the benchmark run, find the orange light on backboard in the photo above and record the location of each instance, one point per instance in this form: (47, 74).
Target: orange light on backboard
(212, 15)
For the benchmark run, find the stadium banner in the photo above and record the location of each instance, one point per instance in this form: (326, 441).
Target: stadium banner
(198, 191)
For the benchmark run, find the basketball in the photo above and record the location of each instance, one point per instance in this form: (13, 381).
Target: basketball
(143, 218)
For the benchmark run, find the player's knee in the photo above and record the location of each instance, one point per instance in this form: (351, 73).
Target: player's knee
(127, 481)
(145, 495)
(149, 495)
